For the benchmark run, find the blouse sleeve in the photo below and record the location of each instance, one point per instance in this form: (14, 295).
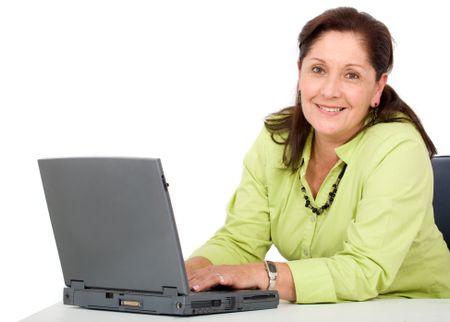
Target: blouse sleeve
(245, 237)
(396, 196)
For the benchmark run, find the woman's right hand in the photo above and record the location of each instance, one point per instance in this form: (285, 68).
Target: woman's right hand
(196, 263)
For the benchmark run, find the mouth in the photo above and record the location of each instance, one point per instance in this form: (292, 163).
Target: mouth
(330, 109)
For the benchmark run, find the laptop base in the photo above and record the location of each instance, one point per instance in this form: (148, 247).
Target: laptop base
(153, 303)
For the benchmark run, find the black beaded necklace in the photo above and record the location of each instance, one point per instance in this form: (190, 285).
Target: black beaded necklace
(331, 195)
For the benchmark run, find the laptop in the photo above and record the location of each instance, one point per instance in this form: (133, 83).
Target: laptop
(118, 243)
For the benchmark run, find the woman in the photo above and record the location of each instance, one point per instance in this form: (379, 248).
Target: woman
(341, 183)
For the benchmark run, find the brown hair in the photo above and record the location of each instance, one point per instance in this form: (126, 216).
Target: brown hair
(378, 41)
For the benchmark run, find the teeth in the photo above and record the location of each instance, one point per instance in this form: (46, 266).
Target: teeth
(331, 109)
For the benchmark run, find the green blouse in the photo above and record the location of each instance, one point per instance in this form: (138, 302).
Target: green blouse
(378, 238)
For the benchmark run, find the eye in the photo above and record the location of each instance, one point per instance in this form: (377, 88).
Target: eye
(352, 76)
(317, 70)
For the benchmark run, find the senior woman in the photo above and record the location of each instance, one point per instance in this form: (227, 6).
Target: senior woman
(340, 183)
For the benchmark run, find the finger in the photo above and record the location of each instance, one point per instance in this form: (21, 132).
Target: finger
(204, 283)
(199, 273)
(221, 279)
(208, 281)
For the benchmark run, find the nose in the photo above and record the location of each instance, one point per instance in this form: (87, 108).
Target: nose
(331, 87)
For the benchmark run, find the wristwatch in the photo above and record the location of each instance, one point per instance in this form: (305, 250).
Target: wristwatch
(272, 273)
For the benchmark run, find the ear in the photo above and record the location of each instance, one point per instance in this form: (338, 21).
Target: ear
(379, 90)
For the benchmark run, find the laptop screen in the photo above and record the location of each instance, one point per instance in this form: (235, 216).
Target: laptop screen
(113, 223)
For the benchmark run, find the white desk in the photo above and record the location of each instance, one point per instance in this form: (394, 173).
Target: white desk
(395, 310)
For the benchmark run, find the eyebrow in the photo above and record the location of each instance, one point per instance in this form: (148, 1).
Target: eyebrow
(347, 65)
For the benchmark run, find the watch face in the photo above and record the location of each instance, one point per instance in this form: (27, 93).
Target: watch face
(272, 267)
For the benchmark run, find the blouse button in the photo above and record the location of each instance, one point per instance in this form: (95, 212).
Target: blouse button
(305, 252)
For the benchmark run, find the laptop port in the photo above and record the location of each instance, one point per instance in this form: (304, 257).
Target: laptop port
(206, 304)
(130, 303)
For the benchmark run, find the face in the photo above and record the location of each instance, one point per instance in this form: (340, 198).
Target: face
(338, 86)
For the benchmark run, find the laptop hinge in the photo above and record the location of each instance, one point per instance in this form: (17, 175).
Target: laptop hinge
(170, 291)
(78, 285)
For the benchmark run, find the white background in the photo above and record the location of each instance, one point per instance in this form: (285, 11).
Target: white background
(187, 81)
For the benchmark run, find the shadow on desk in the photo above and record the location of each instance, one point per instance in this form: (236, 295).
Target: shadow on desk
(411, 310)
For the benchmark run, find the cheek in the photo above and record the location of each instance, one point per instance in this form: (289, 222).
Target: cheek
(308, 87)
(358, 97)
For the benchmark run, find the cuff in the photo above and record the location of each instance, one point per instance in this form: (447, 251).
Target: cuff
(313, 281)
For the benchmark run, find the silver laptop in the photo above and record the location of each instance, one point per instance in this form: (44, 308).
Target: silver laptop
(118, 243)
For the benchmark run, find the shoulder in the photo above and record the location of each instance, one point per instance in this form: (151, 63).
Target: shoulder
(396, 143)
(270, 147)
(393, 130)
(383, 138)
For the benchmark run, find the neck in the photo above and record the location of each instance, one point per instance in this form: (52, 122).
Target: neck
(323, 151)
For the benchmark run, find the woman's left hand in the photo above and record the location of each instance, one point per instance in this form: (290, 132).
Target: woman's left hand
(245, 276)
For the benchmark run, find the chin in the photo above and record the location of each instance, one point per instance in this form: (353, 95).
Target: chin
(326, 129)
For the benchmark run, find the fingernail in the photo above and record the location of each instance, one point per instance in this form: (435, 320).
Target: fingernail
(196, 287)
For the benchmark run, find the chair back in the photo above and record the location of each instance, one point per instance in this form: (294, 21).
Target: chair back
(441, 199)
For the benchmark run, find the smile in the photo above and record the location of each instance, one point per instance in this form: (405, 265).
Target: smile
(330, 109)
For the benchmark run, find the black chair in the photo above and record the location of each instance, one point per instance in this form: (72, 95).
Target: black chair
(441, 199)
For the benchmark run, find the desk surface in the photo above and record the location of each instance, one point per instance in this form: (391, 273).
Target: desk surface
(398, 310)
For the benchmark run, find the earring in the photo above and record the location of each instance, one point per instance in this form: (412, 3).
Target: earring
(374, 114)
